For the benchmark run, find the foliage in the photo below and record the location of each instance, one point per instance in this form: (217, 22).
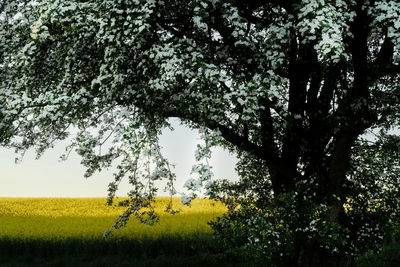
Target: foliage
(270, 233)
(290, 87)
(389, 256)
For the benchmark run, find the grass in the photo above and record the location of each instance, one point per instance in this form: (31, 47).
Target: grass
(68, 232)
(119, 251)
(51, 219)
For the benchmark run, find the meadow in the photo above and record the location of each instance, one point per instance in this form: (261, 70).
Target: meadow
(66, 231)
(88, 218)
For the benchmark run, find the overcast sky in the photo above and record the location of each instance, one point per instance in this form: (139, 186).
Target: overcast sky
(48, 177)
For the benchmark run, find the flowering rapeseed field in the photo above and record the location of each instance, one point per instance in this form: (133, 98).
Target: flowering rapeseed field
(88, 218)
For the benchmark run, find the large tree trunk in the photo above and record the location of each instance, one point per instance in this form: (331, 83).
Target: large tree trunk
(311, 255)
(331, 177)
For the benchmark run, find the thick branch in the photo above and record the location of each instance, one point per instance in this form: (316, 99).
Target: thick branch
(383, 65)
(299, 73)
(227, 133)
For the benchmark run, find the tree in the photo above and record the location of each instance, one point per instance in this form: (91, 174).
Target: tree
(291, 87)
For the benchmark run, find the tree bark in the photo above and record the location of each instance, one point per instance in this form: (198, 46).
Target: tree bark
(311, 255)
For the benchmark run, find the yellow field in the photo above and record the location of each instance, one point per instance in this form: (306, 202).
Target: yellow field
(88, 218)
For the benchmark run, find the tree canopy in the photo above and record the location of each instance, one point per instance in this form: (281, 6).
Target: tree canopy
(291, 87)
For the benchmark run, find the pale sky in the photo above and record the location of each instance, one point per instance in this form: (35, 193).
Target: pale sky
(48, 177)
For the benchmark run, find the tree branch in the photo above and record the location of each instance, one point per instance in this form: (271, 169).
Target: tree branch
(383, 65)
